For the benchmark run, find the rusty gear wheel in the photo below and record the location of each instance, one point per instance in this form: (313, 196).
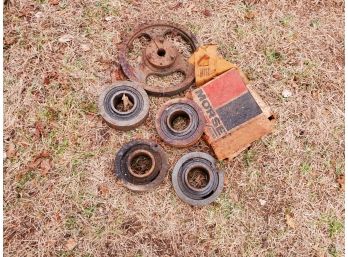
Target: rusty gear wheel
(186, 110)
(147, 176)
(114, 100)
(160, 57)
(197, 193)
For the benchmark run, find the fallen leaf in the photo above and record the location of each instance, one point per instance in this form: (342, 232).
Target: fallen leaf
(176, 7)
(277, 76)
(49, 76)
(70, 244)
(103, 189)
(58, 217)
(206, 13)
(34, 164)
(126, 102)
(340, 181)
(54, 2)
(39, 129)
(286, 93)
(116, 39)
(85, 47)
(116, 74)
(45, 167)
(249, 15)
(290, 220)
(11, 150)
(65, 38)
(43, 154)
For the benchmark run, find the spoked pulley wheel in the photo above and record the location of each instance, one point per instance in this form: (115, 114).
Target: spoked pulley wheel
(160, 57)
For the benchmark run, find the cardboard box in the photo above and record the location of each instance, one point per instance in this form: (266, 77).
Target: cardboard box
(235, 115)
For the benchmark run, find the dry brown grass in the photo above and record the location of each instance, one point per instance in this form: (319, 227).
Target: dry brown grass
(281, 197)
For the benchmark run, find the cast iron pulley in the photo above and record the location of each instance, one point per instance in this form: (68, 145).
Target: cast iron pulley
(141, 165)
(124, 105)
(160, 57)
(168, 122)
(196, 180)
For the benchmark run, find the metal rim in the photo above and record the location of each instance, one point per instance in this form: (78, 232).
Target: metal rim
(163, 67)
(189, 194)
(151, 178)
(124, 120)
(189, 135)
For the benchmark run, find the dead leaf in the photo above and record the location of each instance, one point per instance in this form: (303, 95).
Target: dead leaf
(116, 74)
(39, 129)
(49, 76)
(45, 167)
(34, 164)
(85, 47)
(65, 38)
(58, 217)
(277, 76)
(207, 13)
(70, 244)
(126, 102)
(176, 7)
(43, 154)
(250, 15)
(11, 150)
(53, 2)
(290, 220)
(103, 190)
(340, 181)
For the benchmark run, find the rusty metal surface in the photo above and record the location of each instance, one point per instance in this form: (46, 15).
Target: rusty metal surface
(124, 120)
(153, 176)
(176, 108)
(189, 193)
(160, 57)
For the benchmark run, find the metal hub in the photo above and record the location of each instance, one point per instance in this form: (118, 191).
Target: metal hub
(114, 96)
(193, 194)
(185, 109)
(149, 178)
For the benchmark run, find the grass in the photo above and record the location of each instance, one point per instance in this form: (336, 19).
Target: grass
(280, 45)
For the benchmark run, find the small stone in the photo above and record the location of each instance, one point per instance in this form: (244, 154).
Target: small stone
(262, 202)
(286, 93)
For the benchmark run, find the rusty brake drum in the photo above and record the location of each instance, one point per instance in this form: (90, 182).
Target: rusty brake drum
(160, 57)
(147, 178)
(114, 98)
(191, 193)
(180, 108)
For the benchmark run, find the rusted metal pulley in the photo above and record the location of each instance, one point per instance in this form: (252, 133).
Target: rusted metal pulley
(192, 122)
(141, 165)
(196, 180)
(124, 105)
(160, 57)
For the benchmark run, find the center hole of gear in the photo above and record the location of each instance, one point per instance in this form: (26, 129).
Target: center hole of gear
(198, 178)
(141, 164)
(161, 52)
(179, 121)
(123, 102)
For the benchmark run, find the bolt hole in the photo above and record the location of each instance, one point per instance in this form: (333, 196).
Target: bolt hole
(198, 178)
(123, 102)
(141, 164)
(161, 52)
